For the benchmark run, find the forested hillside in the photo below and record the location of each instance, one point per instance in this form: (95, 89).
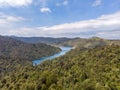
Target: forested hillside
(89, 43)
(11, 48)
(74, 42)
(15, 54)
(93, 69)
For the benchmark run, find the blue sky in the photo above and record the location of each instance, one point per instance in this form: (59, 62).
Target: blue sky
(60, 18)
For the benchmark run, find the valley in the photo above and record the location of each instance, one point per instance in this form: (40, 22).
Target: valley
(63, 51)
(92, 64)
(59, 44)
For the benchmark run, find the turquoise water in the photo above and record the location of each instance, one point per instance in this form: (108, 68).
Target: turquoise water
(63, 52)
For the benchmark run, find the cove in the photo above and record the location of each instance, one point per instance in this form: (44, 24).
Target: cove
(63, 51)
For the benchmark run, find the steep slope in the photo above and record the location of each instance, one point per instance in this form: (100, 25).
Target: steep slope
(94, 69)
(11, 48)
(15, 54)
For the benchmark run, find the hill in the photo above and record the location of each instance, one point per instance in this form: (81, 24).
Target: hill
(15, 54)
(88, 43)
(83, 43)
(11, 48)
(47, 40)
(93, 69)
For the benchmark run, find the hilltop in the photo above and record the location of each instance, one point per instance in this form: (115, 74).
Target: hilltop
(88, 43)
(83, 43)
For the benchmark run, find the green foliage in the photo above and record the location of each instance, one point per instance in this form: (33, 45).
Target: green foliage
(15, 54)
(89, 43)
(93, 69)
(11, 48)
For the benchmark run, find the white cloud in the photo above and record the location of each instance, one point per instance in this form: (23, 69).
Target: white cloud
(64, 3)
(101, 26)
(7, 19)
(97, 3)
(105, 22)
(14, 3)
(109, 34)
(45, 10)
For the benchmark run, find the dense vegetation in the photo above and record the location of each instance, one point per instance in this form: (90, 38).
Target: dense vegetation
(89, 43)
(93, 69)
(11, 48)
(15, 54)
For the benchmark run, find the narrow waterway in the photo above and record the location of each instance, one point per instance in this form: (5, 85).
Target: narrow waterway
(64, 50)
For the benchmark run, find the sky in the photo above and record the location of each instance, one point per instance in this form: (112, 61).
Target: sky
(60, 18)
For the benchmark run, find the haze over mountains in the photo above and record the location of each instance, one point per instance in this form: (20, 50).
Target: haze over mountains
(74, 42)
(47, 40)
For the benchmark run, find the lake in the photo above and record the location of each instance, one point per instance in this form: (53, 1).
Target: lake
(63, 51)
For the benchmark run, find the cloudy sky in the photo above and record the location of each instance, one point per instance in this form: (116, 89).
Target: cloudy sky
(60, 18)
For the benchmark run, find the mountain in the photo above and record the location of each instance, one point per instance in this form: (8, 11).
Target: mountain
(84, 43)
(93, 69)
(16, 54)
(47, 40)
(16, 49)
(94, 64)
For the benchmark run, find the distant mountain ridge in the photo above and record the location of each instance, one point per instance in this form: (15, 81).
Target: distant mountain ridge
(47, 40)
(83, 43)
(89, 43)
